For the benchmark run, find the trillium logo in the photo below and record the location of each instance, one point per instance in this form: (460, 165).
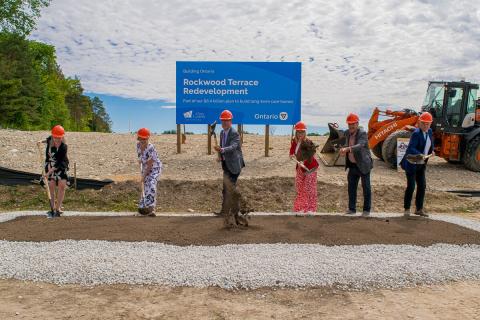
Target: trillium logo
(283, 116)
(188, 114)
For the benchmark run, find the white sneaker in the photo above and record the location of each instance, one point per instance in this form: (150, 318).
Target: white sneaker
(406, 213)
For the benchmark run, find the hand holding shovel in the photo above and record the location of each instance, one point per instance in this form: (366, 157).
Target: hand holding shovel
(308, 171)
(418, 158)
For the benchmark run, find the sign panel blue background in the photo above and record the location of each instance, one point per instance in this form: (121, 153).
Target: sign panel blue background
(272, 95)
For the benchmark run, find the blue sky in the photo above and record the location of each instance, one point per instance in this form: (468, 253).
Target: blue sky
(355, 54)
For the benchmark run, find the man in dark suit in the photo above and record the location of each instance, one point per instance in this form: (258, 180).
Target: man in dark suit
(421, 143)
(230, 154)
(359, 164)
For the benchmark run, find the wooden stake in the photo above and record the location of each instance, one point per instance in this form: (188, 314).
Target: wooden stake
(209, 140)
(267, 139)
(240, 132)
(75, 175)
(184, 135)
(179, 139)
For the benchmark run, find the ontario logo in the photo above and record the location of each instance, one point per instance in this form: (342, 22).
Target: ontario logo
(188, 114)
(283, 116)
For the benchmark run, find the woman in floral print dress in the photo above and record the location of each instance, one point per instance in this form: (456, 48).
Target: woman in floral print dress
(151, 170)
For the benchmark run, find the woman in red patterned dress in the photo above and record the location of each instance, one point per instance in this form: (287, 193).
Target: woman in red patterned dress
(306, 178)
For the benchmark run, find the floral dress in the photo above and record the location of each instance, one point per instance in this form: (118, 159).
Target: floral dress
(305, 183)
(149, 199)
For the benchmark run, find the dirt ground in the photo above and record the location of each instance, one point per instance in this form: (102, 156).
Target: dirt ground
(185, 231)
(27, 300)
(274, 194)
(104, 155)
(191, 180)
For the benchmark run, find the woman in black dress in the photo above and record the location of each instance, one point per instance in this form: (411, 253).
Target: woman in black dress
(56, 167)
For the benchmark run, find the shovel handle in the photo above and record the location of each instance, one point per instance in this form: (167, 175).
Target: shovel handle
(142, 186)
(44, 177)
(302, 165)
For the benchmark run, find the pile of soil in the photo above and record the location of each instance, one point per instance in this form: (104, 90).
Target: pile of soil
(273, 194)
(184, 231)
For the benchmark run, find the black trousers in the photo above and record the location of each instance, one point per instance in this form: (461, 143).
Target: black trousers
(230, 176)
(418, 178)
(354, 175)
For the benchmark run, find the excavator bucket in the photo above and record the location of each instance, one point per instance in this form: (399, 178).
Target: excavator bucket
(330, 154)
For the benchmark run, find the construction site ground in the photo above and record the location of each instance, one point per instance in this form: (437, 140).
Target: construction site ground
(191, 181)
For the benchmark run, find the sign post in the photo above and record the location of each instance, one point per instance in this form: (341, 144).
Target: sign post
(209, 139)
(179, 139)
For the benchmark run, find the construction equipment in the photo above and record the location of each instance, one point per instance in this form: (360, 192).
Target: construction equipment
(330, 153)
(456, 124)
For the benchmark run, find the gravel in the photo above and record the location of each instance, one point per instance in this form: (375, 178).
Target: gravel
(93, 262)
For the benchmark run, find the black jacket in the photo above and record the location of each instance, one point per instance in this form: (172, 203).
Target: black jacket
(57, 158)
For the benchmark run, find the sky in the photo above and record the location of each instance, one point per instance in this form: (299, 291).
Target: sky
(355, 54)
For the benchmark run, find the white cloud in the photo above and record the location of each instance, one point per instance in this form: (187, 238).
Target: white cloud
(355, 54)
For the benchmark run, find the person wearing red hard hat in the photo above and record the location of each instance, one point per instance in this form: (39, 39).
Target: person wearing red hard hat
(306, 171)
(151, 169)
(231, 157)
(420, 147)
(358, 161)
(56, 168)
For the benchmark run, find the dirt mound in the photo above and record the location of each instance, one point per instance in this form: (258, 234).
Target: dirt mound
(274, 194)
(326, 230)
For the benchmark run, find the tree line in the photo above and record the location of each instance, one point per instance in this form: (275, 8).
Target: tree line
(34, 92)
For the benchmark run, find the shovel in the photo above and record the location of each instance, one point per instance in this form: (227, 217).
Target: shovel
(44, 178)
(142, 185)
(214, 134)
(418, 158)
(303, 166)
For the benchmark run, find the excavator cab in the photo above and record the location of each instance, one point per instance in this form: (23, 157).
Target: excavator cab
(456, 121)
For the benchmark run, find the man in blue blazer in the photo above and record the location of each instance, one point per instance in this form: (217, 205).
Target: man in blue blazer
(421, 143)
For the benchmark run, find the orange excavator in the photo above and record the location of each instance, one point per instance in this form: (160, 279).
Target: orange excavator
(455, 108)
(383, 135)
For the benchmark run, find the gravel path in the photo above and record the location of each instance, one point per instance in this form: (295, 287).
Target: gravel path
(238, 266)
(92, 262)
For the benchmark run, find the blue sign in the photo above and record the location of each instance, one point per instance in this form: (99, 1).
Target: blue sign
(255, 92)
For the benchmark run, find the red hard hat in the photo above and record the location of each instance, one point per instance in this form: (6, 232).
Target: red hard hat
(352, 118)
(300, 126)
(58, 131)
(426, 117)
(226, 115)
(143, 133)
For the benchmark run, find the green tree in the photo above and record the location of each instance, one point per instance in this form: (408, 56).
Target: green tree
(34, 93)
(79, 105)
(19, 82)
(19, 16)
(101, 120)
